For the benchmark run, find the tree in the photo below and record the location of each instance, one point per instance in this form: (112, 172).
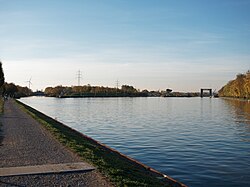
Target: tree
(169, 90)
(128, 89)
(248, 74)
(10, 89)
(1, 75)
(241, 76)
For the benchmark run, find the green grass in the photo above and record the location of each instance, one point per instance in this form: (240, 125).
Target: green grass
(120, 170)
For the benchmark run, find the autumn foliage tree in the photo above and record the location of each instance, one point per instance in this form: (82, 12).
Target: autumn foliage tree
(239, 87)
(93, 91)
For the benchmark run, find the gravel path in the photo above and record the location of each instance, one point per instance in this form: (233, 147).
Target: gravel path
(25, 142)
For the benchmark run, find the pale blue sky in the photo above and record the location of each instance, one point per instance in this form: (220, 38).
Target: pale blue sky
(150, 44)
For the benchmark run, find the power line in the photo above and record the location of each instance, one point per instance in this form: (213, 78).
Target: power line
(79, 76)
(117, 84)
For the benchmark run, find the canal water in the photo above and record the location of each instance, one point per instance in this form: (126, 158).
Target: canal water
(199, 142)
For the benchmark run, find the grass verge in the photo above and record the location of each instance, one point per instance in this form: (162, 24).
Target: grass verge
(121, 170)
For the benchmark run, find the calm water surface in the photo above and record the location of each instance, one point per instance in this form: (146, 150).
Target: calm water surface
(200, 142)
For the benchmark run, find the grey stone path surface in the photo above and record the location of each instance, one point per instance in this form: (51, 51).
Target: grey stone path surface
(45, 169)
(25, 142)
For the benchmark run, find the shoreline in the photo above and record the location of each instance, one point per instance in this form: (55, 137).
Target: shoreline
(124, 171)
(236, 98)
(26, 144)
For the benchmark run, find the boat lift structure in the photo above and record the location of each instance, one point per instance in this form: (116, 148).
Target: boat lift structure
(206, 89)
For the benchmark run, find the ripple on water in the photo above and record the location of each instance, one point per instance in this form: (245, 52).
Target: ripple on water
(201, 142)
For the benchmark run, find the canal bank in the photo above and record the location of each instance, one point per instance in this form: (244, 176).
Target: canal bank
(122, 170)
(26, 143)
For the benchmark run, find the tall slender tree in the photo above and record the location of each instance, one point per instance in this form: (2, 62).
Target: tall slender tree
(1, 75)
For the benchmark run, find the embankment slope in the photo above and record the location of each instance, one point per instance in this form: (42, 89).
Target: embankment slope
(237, 88)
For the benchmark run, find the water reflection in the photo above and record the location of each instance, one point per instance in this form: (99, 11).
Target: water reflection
(240, 109)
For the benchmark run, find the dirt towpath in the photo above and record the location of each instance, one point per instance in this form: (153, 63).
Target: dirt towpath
(24, 142)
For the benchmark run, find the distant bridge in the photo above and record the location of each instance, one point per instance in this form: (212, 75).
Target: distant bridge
(206, 89)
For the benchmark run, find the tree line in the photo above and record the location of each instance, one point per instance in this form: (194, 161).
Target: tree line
(15, 91)
(10, 89)
(93, 91)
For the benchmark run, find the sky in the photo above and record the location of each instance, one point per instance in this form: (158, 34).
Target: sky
(184, 45)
